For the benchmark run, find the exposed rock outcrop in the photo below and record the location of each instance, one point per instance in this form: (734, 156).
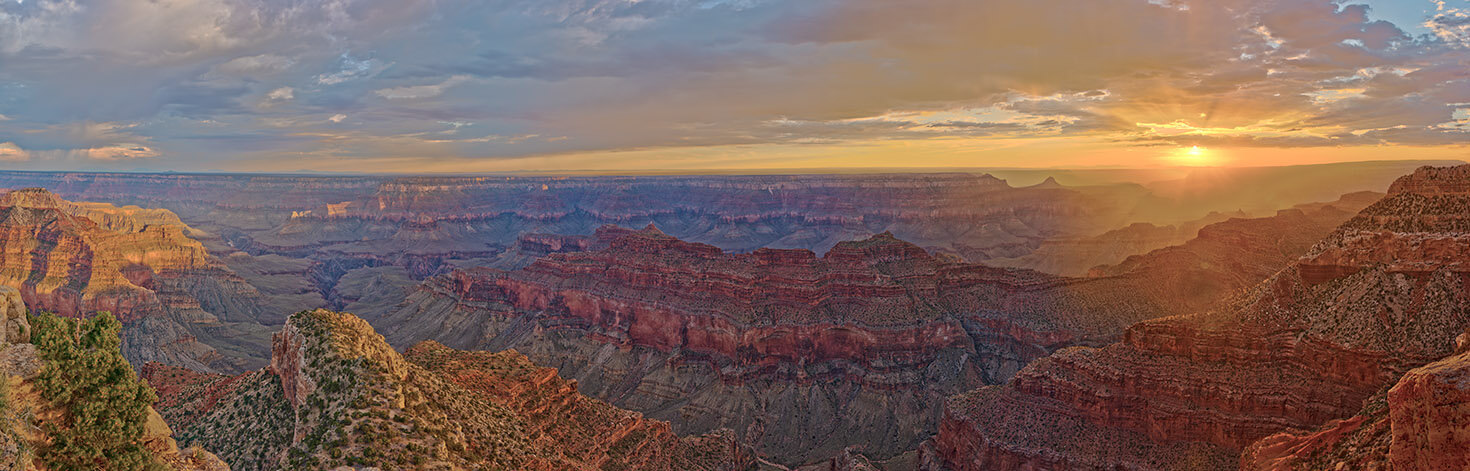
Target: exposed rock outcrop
(14, 328)
(288, 358)
(425, 224)
(1307, 346)
(77, 259)
(431, 408)
(879, 314)
(1430, 412)
(978, 215)
(1229, 256)
(1421, 423)
(297, 237)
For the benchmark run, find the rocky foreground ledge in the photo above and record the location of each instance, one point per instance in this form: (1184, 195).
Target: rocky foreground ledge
(335, 394)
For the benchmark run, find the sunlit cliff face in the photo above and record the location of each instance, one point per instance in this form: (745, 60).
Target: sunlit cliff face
(616, 85)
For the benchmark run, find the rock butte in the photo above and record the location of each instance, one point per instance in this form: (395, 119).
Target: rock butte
(698, 332)
(336, 394)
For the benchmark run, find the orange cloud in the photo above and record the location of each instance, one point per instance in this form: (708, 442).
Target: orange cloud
(121, 152)
(12, 153)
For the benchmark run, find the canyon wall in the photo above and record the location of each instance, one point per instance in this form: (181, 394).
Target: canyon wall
(1422, 422)
(177, 303)
(1379, 296)
(473, 216)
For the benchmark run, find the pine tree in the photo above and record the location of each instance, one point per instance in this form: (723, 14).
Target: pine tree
(104, 405)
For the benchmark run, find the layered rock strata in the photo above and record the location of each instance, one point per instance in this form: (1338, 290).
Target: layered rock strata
(272, 227)
(1381, 295)
(1421, 423)
(178, 304)
(773, 342)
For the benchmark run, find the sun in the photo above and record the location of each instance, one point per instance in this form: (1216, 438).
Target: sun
(1193, 156)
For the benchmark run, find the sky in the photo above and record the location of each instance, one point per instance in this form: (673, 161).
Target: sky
(629, 86)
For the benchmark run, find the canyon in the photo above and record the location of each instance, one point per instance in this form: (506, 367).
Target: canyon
(296, 236)
(1381, 295)
(772, 344)
(775, 343)
(1127, 249)
(701, 303)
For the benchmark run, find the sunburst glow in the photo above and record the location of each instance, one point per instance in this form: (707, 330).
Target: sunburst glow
(1194, 156)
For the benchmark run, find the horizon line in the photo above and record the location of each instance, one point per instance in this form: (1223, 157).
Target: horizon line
(772, 171)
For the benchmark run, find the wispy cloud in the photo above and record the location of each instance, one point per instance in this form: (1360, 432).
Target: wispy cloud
(257, 65)
(351, 69)
(421, 91)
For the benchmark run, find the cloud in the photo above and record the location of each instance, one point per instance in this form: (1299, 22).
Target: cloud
(1450, 24)
(257, 65)
(216, 82)
(351, 69)
(281, 94)
(11, 153)
(121, 152)
(421, 91)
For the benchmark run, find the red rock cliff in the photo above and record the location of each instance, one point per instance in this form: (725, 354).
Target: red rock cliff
(78, 259)
(1421, 423)
(1307, 346)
